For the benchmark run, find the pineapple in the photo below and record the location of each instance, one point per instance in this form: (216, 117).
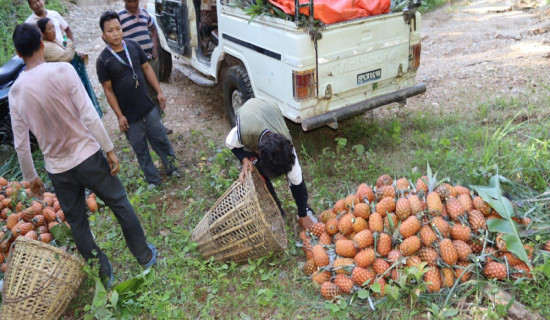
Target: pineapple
(365, 193)
(410, 227)
(448, 252)
(309, 267)
(511, 259)
(409, 246)
(454, 208)
(462, 249)
(433, 279)
(362, 210)
(386, 205)
(363, 239)
(345, 248)
(332, 227)
(461, 190)
(421, 184)
(434, 203)
(403, 208)
(49, 214)
(428, 255)
(92, 203)
(466, 202)
(362, 277)
(481, 205)
(340, 206)
(460, 271)
(327, 215)
(385, 192)
(477, 220)
(343, 265)
(329, 290)
(413, 261)
(376, 223)
(344, 283)
(394, 255)
(380, 266)
(320, 276)
(416, 204)
(427, 235)
(384, 180)
(402, 185)
(384, 244)
(443, 192)
(359, 224)
(495, 270)
(345, 225)
(320, 256)
(460, 232)
(365, 257)
(317, 229)
(440, 225)
(448, 277)
(325, 239)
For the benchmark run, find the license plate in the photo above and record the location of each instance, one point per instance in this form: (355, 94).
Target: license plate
(369, 76)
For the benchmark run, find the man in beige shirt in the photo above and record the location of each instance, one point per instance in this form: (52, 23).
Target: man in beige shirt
(70, 135)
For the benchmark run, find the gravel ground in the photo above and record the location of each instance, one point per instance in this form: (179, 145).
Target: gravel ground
(472, 52)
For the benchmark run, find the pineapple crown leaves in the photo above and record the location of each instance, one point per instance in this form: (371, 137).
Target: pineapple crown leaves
(492, 194)
(432, 182)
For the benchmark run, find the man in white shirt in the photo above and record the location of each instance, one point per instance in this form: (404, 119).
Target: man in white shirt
(39, 12)
(50, 100)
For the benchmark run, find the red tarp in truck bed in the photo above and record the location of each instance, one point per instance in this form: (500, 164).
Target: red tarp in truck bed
(332, 11)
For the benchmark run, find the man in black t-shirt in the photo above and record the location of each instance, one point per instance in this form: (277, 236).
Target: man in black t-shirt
(122, 69)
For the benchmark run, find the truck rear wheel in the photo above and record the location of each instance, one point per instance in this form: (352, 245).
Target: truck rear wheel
(165, 63)
(236, 91)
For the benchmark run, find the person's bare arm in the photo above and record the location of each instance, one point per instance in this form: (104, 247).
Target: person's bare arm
(113, 102)
(153, 81)
(154, 38)
(69, 33)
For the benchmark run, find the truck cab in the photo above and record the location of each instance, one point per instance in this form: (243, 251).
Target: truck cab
(317, 74)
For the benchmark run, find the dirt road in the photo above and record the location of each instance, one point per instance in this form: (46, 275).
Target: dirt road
(472, 52)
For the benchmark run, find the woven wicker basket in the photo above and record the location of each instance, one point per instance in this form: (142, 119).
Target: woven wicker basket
(244, 223)
(40, 281)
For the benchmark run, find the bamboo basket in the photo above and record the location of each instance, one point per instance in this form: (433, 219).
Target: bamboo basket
(245, 223)
(40, 281)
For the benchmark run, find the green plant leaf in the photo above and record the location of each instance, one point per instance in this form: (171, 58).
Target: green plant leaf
(492, 194)
(114, 298)
(514, 245)
(363, 294)
(500, 225)
(133, 284)
(62, 234)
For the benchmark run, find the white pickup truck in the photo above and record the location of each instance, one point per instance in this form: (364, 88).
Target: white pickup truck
(316, 74)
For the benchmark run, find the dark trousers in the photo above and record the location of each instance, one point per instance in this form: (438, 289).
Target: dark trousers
(150, 129)
(94, 173)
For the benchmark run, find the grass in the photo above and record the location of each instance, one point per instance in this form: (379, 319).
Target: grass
(12, 13)
(468, 147)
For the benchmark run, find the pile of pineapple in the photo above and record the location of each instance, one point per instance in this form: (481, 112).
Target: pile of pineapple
(372, 235)
(21, 215)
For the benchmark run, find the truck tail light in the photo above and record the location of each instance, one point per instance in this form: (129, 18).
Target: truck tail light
(304, 84)
(414, 57)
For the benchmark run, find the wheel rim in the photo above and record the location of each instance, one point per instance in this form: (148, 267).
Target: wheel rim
(236, 100)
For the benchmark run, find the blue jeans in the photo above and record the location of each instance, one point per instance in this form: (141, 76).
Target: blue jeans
(147, 130)
(94, 173)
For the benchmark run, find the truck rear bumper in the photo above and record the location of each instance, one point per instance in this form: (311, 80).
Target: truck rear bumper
(332, 117)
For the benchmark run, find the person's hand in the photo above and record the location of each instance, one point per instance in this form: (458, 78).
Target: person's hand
(37, 187)
(113, 162)
(123, 124)
(306, 222)
(247, 167)
(154, 54)
(162, 101)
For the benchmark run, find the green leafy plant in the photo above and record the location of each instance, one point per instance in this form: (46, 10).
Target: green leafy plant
(492, 194)
(116, 303)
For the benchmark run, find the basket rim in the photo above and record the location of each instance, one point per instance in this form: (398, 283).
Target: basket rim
(52, 248)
